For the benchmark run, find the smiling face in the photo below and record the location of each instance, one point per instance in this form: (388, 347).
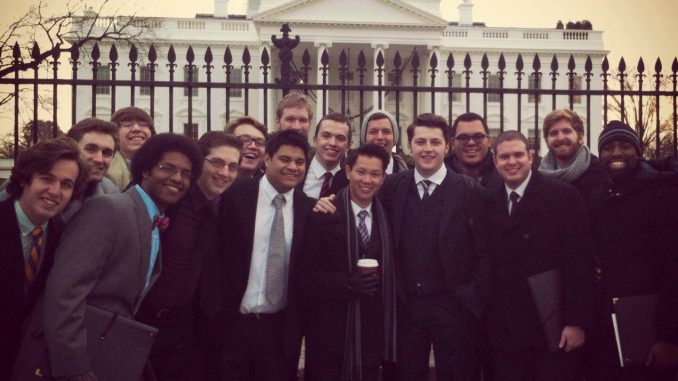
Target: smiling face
(252, 151)
(331, 143)
(168, 181)
(619, 158)
(132, 135)
(96, 149)
(428, 148)
(365, 179)
(286, 168)
(513, 162)
(219, 171)
(48, 193)
(380, 132)
(470, 143)
(294, 118)
(563, 141)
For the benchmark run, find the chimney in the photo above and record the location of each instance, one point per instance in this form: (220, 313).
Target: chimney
(466, 13)
(221, 8)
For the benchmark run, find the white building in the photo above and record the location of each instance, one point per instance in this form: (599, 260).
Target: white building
(370, 26)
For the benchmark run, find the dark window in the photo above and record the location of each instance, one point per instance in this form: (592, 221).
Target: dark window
(191, 130)
(236, 77)
(145, 75)
(193, 80)
(534, 83)
(103, 74)
(493, 83)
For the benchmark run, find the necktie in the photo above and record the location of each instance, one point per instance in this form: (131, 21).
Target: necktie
(426, 184)
(514, 197)
(325, 188)
(362, 228)
(31, 265)
(161, 222)
(276, 270)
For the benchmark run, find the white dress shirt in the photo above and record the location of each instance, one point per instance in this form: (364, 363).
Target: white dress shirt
(368, 219)
(314, 179)
(389, 166)
(254, 300)
(520, 190)
(435, 179)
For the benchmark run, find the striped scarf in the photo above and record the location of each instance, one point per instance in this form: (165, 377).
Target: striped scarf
(352, 366)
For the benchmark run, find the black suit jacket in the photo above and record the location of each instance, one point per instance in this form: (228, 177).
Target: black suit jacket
(15, 303)
(547, 229)
(339, 180)
(462, 238)
(237, 216)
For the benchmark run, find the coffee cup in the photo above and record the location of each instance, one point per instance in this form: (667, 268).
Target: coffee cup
(367, 266)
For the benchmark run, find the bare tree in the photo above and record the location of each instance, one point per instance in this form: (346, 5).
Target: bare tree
(44, 128)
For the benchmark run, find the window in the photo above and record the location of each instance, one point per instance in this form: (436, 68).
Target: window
(456, 83)
(576, 85)
(391, 81)
(236, 77)
(145, 75)
(104, 74)
(534, 83)
(493, 83)
(191, 130)
(192, 80)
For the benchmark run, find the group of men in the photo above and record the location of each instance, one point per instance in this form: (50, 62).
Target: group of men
(235, 273)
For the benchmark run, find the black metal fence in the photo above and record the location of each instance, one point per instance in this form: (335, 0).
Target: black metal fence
(293, 75)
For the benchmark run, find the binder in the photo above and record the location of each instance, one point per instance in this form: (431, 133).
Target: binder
(634, 328)
(547, 293)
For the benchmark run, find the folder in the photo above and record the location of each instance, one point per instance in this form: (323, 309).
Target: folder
(633, 321)
(547, 293)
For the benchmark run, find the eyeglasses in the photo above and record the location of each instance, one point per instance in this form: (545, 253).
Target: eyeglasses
(171, 170)
(220, 164)
(464, 138)
(246, 139)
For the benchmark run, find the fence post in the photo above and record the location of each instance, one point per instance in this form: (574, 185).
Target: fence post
(285, 44)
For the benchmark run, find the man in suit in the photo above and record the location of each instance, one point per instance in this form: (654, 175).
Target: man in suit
(470, 144)
(261, 226)
(351, 317)
(44, 178)
(109, 256)
(331, 139)
(540, 241)
(135, 126)
(442, 260)
(380, 127)
(294, 113)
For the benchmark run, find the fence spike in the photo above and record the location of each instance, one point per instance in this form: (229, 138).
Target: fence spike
(519, 63)
(502, 62)
(658, 66)
(674, 66)
(95, 52)
(265, 59)
(343, 59)
(306, 58)
(190, 55)
(554, 64)
(588, 66)
(171, 55)
(484, 63)
(35, 51)
(415, 61)
(380, 59)
(641, 65)
(228, 57)
(467, 61)
(622, 65)
(571, 64)
(397, 60)
(433, 62)
(152, 54)
(325, 58)
(113, 54)
(16, 51)
(606, 65)
(450, 61)
(246, 58)
(536, 63)
(362, 61)
(56, 52)
(133, 54)
(208, 56)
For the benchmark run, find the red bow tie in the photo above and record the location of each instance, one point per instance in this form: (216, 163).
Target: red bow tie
(161, 222)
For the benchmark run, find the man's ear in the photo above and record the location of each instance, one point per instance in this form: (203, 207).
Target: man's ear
(267, 160)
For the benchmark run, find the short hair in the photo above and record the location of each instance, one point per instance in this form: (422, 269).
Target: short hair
(40, 158)
(556, 116)
(369, 150)
(88, 125)
(293, 100)
(211, 139)
(428, 120)
(335, 117)
(468, 117)
(231, 127)
(129, 114)
(378, 116)
(151, 152)
(286, 137)
(508, 136)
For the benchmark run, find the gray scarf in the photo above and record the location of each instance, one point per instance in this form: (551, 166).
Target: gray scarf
(576, 168)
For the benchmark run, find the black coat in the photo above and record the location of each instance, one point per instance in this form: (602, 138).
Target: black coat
(547, 229)
(462, 238)
(16, 304)
(594, 177)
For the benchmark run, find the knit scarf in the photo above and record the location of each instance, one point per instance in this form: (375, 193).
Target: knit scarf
(579, 165)
(352, 365)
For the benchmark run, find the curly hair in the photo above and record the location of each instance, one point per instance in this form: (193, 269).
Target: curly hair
(151, 152)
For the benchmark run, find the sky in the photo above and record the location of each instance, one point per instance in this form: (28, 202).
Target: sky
(632, 28)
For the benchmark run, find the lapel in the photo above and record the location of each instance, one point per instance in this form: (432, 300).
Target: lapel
(145, 226)
(527, 205)
(300, 211)
(11, 259)
(249, 194)
(452, 195)
(401, 193)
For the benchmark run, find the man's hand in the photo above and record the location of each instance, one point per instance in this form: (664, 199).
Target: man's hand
(324, 205)
(662, 355)
(571, 338)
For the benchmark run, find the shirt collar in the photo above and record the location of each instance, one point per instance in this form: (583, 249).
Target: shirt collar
(151, 208)
(319, 171)
(357, 209)
(521, 188)
(436, 178)
(389, 167)
(270, 192)
(25, 224)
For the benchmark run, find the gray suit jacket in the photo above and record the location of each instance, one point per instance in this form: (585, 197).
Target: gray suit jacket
(102, 260)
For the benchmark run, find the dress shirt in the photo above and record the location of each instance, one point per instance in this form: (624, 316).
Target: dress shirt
(254, 300)
(314, 179)
(435, 179)
(153, 211)
(368, 219)
(389, 166)
(25, 228)
(520, 190)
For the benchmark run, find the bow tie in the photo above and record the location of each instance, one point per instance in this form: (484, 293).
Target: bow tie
(161, 222)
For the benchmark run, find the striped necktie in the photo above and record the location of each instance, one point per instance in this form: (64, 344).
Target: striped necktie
(362, 228)
(426, 184)
(33, 261)
(276, 269)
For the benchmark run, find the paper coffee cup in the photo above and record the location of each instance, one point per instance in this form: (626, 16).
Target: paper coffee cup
(367, 265)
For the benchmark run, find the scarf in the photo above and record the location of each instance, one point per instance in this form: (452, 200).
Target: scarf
(579, 164)
(352, 366)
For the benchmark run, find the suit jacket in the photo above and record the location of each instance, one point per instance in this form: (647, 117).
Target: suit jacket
(547, 229)
(15, 302)
(237, 216)
(102, 260)
(462, 243)
(339, 181)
